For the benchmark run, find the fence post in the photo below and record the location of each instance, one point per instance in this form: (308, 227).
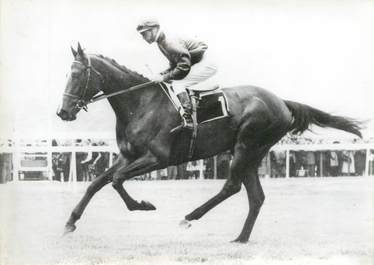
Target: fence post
(367, 162)
(269, 163)
(215, 167)
(49, 159)
(16, 160)
(73, 168)
(110, 159)
(287, 163)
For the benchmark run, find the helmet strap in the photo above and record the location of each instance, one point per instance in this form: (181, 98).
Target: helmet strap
(158, 34)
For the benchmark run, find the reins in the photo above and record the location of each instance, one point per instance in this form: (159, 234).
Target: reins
(131, 89)
(82, 103)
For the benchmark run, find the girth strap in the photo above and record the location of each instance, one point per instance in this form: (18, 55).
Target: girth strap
(194, 103)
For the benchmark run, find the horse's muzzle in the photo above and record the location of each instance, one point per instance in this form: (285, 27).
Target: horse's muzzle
(64, 115)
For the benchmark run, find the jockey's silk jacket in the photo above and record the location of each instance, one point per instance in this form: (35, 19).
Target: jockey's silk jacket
(182, 54)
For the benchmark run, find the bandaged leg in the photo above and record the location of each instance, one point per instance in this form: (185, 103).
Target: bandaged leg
(175, 100)
(185, 101)
(183, 105)
(186, 110)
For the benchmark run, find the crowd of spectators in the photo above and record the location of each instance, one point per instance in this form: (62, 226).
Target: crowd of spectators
(302, 140)
(319, 163)
(302, 163)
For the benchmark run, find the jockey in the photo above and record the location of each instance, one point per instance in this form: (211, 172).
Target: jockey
(188, 61)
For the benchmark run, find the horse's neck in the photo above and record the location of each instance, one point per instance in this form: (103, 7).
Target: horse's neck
(130, 104)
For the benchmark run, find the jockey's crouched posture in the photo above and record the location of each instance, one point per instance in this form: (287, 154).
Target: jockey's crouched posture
(189, 64)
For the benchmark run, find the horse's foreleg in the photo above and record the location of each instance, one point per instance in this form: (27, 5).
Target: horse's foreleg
(140, 166)
(95, 186)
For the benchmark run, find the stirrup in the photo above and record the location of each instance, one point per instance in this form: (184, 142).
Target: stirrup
(187, 122)
(183, 126)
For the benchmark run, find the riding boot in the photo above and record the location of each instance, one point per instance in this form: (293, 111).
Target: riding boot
(186, 114)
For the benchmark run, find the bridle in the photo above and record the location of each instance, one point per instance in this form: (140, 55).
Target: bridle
(82, 102)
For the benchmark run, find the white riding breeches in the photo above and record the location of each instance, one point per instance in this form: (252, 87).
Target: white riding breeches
(199, 72)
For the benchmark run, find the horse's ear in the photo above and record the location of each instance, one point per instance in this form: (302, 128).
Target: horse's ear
(80, 50)
(74, 52)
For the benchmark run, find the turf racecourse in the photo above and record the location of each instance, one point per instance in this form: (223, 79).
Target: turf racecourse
(303, 221)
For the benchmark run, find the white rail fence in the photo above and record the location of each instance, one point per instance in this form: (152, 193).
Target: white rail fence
(20, 152)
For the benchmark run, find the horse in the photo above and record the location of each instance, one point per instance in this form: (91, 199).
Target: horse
(145, 117)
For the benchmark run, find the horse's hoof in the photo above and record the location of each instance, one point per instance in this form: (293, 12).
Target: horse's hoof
(239, 240)
(147, 206)
(185, 224)
(69, 228)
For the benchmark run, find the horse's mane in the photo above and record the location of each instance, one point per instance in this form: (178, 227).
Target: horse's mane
(123, 68)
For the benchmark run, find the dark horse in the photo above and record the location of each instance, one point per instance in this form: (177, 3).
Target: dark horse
(145, 117)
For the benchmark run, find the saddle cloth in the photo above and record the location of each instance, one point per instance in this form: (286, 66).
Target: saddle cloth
(211, 102)
(211, 105)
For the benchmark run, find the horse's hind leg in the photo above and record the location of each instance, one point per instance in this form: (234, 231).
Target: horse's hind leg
(256, 198)
(231, 186)
(255, 136)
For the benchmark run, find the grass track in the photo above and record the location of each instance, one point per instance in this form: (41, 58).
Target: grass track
(303, 221)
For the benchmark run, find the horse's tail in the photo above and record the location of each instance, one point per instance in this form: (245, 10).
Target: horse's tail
(305, 115)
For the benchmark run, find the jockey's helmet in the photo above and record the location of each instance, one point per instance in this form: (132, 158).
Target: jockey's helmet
(147, 25)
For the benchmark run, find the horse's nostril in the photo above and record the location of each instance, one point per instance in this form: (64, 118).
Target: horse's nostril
(62, 114)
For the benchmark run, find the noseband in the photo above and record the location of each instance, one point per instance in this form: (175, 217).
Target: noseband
(82, 102)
